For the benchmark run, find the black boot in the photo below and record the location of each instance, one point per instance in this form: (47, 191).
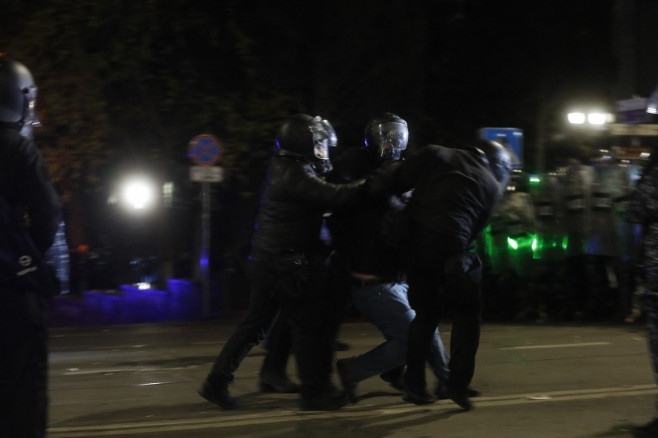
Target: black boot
(417, 395)
(345, 375)
(329, 399)
(441, 392)
(460, 396)
(218, 394)
(273, 382)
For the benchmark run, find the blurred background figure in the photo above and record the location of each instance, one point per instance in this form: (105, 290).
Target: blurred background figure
(577, 226)
(643, 210)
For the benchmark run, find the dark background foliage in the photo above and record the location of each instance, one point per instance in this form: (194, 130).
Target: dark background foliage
(127, 83)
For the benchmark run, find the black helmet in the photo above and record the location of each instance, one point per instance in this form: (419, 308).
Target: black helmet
(309, 138)
(18, 94)
(498, 158)
(386, 136)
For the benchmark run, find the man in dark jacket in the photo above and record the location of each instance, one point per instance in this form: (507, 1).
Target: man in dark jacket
(26, 189)
(286, 234)
(455, 193)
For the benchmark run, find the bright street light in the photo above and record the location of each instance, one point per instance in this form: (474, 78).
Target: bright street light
(595, 118)
(138, 193)
(576, 118)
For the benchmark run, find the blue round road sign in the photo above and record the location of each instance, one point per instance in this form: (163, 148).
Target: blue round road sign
(204, 150)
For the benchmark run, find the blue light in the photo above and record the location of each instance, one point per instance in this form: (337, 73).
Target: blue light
(203, 261)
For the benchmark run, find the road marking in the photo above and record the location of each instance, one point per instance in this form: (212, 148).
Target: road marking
(539, 347)
(135, 369)
(236, 419)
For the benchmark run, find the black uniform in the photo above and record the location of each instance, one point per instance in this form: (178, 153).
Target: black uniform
(643, 211)
(25, 185)
(454, 196)
(286, 233)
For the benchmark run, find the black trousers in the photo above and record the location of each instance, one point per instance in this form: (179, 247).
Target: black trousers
(279, 347)
(23, 365)
(432, 294)
(280, 286)
(331, 286)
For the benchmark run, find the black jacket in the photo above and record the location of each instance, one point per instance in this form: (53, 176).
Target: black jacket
(368, 237)
(454, 195)
(291, 210)
(25, 184)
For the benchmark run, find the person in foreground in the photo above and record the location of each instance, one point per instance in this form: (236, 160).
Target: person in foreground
(455, 193)
(643, 211)
(26, 190)
(285, 237)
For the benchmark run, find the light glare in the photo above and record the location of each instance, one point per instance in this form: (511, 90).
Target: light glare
(138, 194)
(596, 118)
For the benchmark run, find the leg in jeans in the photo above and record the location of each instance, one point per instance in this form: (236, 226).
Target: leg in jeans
(386, 306)
(438, 359)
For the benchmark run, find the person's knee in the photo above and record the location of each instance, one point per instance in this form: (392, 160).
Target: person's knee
(397, 353)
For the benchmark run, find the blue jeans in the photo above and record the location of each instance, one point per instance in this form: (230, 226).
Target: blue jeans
(386, 305)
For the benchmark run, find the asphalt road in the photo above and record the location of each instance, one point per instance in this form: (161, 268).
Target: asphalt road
(536, 381)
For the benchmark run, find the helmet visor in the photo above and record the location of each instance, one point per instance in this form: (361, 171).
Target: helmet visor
(332, 138)
(31, 117)
(324, 137)
(392, 135)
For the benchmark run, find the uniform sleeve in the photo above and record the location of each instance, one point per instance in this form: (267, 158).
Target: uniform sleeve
(38, 196)
(306, 186)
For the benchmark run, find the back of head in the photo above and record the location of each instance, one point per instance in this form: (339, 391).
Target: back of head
(385, 137)
(307, 137)
(499, 159)
(17, 94)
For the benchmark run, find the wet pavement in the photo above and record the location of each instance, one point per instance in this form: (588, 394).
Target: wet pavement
(549, 380)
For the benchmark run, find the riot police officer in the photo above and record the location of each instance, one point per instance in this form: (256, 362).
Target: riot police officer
(26, 188)
(455, 193)
(287, 230)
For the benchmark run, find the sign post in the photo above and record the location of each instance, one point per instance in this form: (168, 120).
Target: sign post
(205, 150)
(511, 138)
